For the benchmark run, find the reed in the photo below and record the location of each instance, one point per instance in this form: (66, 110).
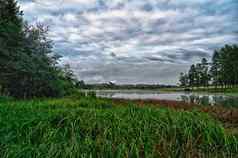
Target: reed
(90, 127)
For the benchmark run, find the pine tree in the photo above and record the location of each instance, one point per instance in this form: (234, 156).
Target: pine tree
(10, 40)
(215, 69)
(204, 74)
(184, 80)
(27, 62)
(192, 76)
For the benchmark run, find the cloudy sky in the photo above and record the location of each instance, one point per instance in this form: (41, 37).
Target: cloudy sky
(135, 41)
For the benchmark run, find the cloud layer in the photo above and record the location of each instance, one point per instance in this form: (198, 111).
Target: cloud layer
(135, 41)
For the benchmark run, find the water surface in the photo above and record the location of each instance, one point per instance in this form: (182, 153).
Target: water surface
(211, 99)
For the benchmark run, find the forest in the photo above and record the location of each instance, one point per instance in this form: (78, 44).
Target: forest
(222, 71)
(28, 66)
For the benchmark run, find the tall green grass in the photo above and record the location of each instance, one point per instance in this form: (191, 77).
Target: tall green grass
(89, 127)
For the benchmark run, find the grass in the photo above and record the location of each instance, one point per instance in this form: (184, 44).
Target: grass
(89, 127)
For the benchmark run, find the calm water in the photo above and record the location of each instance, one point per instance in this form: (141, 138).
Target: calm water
(198, 98)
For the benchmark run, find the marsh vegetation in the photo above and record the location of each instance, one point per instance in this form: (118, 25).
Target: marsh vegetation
(90, 127)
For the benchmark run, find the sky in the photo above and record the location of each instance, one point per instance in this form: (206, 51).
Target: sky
(134, 41)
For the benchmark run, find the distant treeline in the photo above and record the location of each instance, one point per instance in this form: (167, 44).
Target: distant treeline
(222, 71)
(82, 85)
(28, 66)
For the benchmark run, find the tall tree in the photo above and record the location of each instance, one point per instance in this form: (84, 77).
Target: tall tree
(228, 58)
(184, 80)
(223, 70)
(215, 69)
(28, 66)
(192, 76)
(205, 77)
(198, 74)
(11, 25)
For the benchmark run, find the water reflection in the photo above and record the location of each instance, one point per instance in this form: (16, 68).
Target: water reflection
(211, 100)
(195, 98)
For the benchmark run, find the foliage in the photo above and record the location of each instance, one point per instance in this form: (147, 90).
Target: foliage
(184, 81)
(110, 85)
(222, 71)
(91, 127)
(28, 65)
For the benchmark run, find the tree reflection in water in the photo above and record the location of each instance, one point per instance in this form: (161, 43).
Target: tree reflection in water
(211, 100)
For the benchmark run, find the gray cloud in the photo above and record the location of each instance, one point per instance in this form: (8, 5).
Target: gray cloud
(147, 41)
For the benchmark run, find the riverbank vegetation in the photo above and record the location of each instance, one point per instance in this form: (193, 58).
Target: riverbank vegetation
(80, 126)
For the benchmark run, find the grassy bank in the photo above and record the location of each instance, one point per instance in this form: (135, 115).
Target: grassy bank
(90, 127)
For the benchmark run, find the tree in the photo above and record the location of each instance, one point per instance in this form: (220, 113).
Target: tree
(11, 25)
(68, 74)
(184, 80)
(198, 74)
(223, 70)
(205, 77)
(81, 84)
(192, 76)
(215, 69)
(228, 59)
(28, 65)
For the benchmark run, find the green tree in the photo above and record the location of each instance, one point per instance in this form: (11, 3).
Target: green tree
(192, 76)
(228, 60)
(198, 74)
(222, 72)
(81, 84)
(215, 69)
(205, 77)
(184, 80)
(28, 65)
(11, 35)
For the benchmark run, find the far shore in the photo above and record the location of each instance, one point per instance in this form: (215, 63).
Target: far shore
(210, 89)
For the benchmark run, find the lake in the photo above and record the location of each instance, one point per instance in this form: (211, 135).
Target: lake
(211, 99)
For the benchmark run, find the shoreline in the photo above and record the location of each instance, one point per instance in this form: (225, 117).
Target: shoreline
(174, 90)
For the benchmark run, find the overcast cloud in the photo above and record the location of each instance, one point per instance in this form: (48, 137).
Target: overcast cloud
(135, 41)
